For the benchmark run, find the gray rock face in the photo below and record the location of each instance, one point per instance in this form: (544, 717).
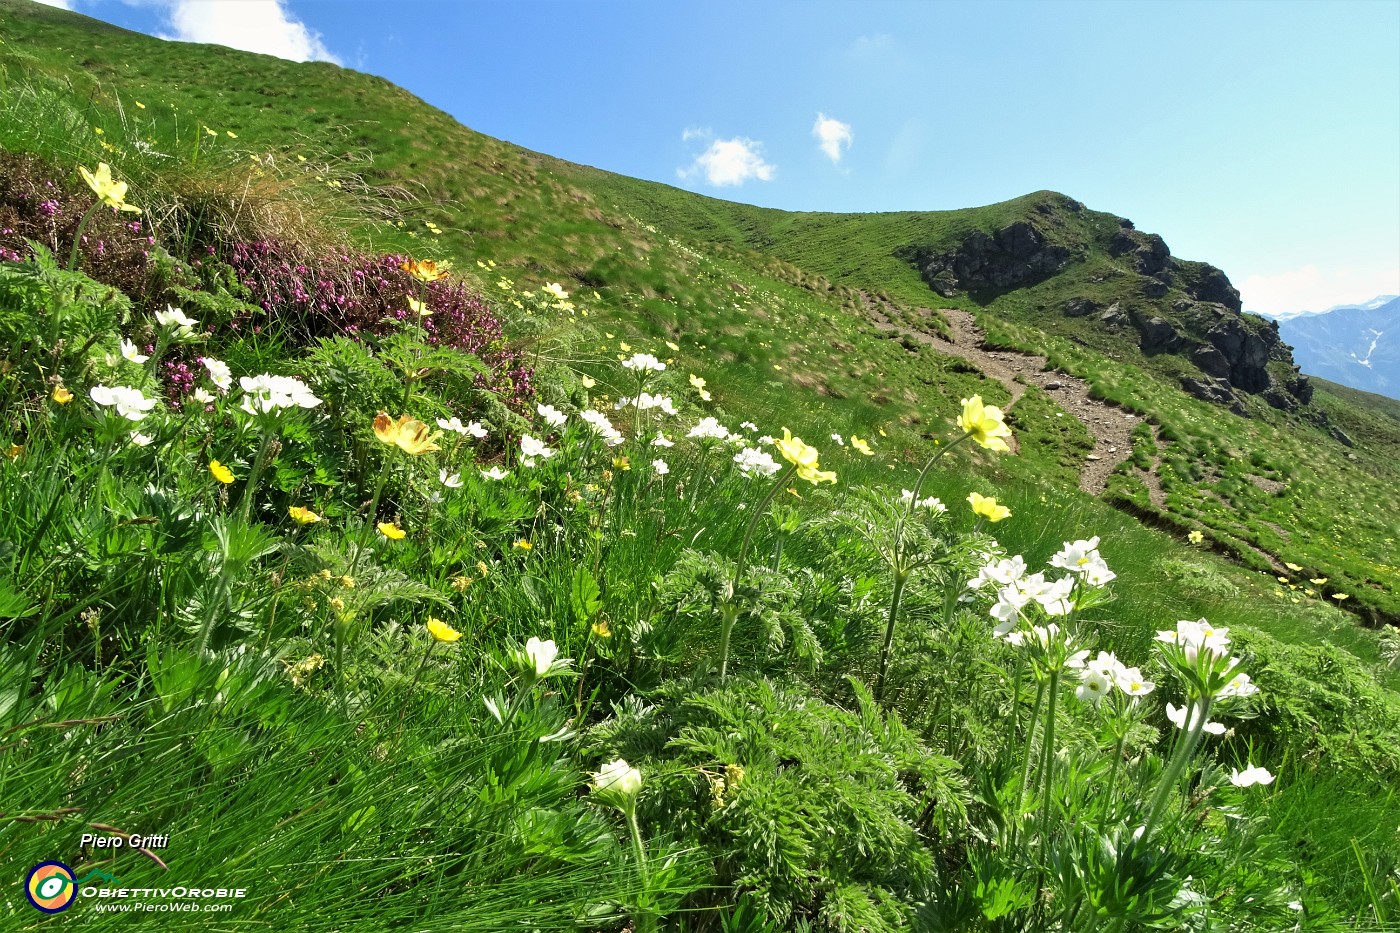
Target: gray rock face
(1016, 255)
(1079, 307)
(1211, 361)
(1159, 335)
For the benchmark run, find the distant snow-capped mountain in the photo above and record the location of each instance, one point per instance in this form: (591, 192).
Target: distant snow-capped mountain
(1371, 305)
(1357, 345)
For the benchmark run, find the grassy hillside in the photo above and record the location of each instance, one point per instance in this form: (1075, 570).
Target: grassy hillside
(288, 631)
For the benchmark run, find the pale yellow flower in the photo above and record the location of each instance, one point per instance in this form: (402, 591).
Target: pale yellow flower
(112, 193)
(984, 423)
(408, 434)
(804, 457)
(424, 270)
(419, 308)
(987, 507)
(862, 446)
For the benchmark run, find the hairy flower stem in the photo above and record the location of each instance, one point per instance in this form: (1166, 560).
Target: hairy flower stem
(78, 237)
(369, 519)
(1184, 753)
(254, 474)
(919, 484)
(1048, 757)
(1112, 780)
(1026, 758)
(730, 609)
(901, 576)
(645, 921)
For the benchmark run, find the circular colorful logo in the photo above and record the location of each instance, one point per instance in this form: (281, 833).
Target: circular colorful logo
(50, 887)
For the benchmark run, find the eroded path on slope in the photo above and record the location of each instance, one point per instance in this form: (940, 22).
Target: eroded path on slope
(1110, 426)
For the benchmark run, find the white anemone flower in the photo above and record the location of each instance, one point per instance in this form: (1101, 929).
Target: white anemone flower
(130, 353)
(451, 482)
(175, 319)
(219, 373)
(129, 403)
(1094, 685)
(541, 654)
(268, 394)
(495, 473)
(1251, 776)
(552, 416)
(644, 362)
(660, 467)
(533, 447)
(619, 779)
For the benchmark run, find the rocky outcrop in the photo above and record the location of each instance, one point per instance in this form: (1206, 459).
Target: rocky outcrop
(1017, 255)
(1188, 309)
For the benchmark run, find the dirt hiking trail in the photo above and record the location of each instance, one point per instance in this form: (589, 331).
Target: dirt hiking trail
(1110, 426)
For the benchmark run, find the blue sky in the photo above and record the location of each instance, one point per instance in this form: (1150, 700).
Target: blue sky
(1261, 137)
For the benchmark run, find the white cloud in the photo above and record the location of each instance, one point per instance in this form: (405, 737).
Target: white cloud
(695, 132)
(1310, 288)
(250, 25)
(61, 4)
(730, 162)
(832, 135)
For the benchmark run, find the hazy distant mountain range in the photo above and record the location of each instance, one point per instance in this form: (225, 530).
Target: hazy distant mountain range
(1357, 345)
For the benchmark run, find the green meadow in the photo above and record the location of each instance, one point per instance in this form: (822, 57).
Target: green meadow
(423, 533)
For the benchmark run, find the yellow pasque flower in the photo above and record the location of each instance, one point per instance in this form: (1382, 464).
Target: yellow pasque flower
(61, 395)
(1340, 596)
(391, 531)
(424, 270)
(1318, 581)
(408, 434)
(1195, 537)
(602, 629)
(862, 446)
(112, 193)
(1293, 567)
(804, 457)
(588, 382)
(523, 545)
(221, 473)
(984, 423)
(419, 308)
(441, 631)
(302, 515)
(987, 507)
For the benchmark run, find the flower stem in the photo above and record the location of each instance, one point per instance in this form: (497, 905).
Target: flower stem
(901, 576)
(1048, 757)
(1112, 780)
(730, 609)
(1184, 752)
(919, 484)
(254, 474)
(78, 237)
